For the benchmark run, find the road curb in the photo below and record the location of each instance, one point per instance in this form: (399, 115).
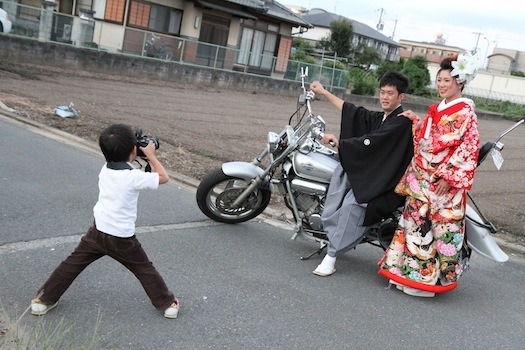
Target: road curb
(84, 144)
(510, 247)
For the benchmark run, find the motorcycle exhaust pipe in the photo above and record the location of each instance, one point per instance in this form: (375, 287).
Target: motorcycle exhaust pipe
(308, 187)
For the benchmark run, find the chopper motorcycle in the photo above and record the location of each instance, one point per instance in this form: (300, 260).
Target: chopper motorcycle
(299, 168)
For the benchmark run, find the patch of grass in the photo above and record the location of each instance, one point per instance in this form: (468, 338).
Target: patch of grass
(510, 110)
(206, 154)
(41, 336)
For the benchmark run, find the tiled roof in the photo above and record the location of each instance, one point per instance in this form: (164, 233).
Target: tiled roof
(253, 4)
(272, 9)
(322, 18)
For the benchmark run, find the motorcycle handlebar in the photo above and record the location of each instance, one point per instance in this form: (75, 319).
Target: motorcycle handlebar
(490, 145)
(510, 129)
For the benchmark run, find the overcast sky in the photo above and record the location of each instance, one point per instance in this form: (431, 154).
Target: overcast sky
(500, 23)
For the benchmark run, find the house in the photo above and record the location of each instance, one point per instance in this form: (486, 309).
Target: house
(433, 52)
(504, 61)
(363, 34)
(247, 35)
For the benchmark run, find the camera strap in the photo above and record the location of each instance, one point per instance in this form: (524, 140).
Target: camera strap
(119, 166)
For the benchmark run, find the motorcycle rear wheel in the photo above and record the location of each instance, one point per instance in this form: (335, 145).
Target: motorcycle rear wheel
(217, 191)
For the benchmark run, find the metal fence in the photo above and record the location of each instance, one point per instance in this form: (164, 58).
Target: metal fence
(84, 31)
(487, 95)
(492, 95)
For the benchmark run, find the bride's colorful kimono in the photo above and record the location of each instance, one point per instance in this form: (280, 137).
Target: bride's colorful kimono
(428, 251)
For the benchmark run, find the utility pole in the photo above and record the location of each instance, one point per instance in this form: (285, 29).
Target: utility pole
(477, 41)
(380, 23)
(394, 31)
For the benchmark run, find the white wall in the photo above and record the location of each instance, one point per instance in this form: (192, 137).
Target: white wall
(490, 83)
(313, 33)
(99, 6)
(109, 36)
(189, 16)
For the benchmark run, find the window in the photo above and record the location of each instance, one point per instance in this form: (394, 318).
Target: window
(115, 11)
(258, 44)
(154, 17)
(139, 14)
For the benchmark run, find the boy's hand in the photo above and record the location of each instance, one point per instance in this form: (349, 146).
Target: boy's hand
(149, 150)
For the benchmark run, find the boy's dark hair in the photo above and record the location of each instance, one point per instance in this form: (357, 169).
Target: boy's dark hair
(116, 142)
(395, 79)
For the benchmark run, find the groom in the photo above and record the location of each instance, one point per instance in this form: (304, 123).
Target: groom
(375, 149)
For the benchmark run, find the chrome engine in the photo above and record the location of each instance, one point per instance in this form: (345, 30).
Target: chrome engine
(309, 197)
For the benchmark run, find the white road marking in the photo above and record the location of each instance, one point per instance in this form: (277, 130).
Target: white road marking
(54, 241)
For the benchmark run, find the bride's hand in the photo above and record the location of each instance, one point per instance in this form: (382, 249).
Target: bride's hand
(408, 114)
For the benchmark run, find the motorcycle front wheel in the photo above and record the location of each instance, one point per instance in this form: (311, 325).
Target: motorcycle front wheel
(217, 192)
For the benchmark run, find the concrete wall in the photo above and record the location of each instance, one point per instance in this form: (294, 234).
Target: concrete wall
(28, 51)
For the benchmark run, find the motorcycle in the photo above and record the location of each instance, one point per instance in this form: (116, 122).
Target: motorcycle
(299, 168)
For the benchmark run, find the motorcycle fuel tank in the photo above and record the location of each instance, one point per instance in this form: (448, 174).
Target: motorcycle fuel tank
(314, 166)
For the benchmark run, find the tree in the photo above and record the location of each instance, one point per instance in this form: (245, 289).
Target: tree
(362, 82)
(301, 44)
(367, 56)
(388, 66)
(415, 68)
(340, 38)
(301, 49)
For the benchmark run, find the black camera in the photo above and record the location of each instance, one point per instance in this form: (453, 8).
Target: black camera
(143, 141)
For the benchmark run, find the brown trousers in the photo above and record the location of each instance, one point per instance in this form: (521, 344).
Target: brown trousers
(127, 251)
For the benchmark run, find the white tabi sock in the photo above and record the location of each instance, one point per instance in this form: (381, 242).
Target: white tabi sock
(328, 262)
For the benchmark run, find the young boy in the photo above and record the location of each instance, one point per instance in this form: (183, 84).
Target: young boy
(113, 231)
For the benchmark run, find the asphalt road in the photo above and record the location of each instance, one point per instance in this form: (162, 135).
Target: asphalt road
(240, 286)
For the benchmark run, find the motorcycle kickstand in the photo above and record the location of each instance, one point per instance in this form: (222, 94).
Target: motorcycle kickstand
(318, 251)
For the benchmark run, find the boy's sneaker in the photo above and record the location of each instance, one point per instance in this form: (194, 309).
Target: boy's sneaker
(173, 310)
(38, 308)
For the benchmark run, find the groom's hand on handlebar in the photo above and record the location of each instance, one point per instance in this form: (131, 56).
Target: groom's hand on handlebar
(330, 139)
(317, 88)
(310, 95)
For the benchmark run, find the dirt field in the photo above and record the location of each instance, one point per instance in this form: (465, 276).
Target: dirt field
(199, 127)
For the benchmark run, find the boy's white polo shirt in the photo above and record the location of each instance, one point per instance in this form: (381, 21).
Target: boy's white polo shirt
(116, 209)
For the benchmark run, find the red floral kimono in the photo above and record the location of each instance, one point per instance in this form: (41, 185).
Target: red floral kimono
(428, 251)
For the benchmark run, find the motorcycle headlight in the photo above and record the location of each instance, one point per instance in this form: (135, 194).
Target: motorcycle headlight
(273, 142)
